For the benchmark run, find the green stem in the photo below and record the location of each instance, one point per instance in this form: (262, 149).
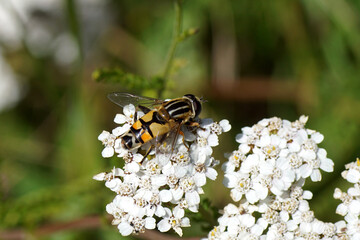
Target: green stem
(207, 216)
(175, 41)
(74, 25)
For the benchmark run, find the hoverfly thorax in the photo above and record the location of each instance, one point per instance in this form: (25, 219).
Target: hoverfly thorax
(183, 109)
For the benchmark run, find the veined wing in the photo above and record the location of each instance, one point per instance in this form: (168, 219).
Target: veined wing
(123, 99)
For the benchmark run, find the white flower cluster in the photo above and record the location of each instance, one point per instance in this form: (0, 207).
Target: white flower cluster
(266, 174)
(272, 155)
(350, 206)
(165, 183)
(278, 218)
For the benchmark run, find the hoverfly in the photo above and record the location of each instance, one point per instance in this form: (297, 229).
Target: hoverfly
(165, 117)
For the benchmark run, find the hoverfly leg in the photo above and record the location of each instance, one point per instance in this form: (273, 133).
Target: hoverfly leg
(147, 153)
(195, 125)
(144, 109)
(135, 116)
(183, 136)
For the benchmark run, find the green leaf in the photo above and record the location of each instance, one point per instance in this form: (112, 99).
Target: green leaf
(126, 79)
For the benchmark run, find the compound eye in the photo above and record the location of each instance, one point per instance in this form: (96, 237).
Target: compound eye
(197, 107)
(196, 104)
(190, 96)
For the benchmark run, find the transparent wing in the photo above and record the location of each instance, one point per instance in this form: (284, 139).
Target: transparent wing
(123, 99)
(165, 144)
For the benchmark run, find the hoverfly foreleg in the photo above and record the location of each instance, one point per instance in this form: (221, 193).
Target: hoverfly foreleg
(195, 125)
(144, 109)
(135, 116)
(147, 153)
(183, 136)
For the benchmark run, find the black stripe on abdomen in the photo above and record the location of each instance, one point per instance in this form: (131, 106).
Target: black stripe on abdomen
(137, 133)
(146, 126)
(127, 141)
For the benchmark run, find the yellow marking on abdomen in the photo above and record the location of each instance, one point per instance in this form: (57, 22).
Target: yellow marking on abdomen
(146, 136)
(148, 117)
(137, 125)
(159, 129)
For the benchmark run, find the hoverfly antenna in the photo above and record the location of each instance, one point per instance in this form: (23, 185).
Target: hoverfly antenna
(202, 100)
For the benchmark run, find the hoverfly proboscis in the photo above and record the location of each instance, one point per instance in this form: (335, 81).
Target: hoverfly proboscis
(158, 122)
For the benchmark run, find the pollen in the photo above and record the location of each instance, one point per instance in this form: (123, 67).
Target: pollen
(187, 184)
(358, 162)
(174, 222)
(271, 149)
(214, 231)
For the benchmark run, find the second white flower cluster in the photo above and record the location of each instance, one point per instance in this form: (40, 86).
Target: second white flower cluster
(272, 155)
(266, 175)
(290, 218)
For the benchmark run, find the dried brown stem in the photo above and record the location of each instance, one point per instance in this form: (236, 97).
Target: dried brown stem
(91, 222)
(257, 89)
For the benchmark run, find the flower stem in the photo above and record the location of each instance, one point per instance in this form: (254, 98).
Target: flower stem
(207, 216)
(174, 43)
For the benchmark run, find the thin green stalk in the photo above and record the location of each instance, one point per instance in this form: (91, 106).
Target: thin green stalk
(74, 25)
(174, 43)
(207, 216)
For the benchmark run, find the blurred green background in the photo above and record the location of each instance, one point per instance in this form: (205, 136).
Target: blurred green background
(250, 60)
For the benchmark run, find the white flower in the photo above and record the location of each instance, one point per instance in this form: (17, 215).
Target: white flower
(353, 176)
(313, 158)
(236, 158)
(201, 171)
(108, 141)
(104, 176)
(218, 128)
(188, 187)
(174, 220)
(137, 225)
(240, 184)
(132, 161)
(350, 203)
(353, 226)
(352, 173)
(126, 120)
(127, 117)
(205, 140)
(236, 223)
(225, 125)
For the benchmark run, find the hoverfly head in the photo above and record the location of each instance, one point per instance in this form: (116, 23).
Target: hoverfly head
(196, 103)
